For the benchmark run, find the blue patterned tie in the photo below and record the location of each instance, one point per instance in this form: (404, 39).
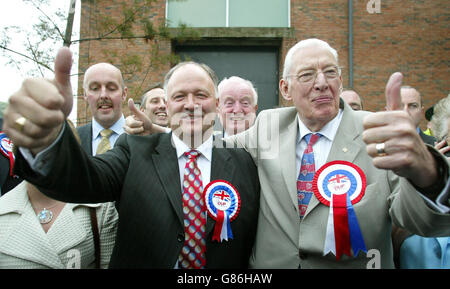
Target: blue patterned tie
(306, 175)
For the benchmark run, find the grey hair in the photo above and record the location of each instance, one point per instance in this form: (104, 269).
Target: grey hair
(237, 78)
(205, 67)
(441, 113)
(303, 44)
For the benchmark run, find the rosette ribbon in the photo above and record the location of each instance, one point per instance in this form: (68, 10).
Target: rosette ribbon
(222, 229)
(343, 231)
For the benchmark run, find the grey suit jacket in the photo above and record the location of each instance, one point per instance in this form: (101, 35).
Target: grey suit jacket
(283, 241)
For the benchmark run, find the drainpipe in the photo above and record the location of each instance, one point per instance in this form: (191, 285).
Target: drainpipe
(350, 44)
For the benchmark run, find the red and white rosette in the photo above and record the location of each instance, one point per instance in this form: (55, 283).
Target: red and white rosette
(6, 148)
(223, 204)
(339, 185)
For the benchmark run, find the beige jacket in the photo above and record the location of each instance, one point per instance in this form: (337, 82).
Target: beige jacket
(283, 241)
(69, 242)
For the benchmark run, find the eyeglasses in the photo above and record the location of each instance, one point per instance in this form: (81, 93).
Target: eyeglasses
(310, 75)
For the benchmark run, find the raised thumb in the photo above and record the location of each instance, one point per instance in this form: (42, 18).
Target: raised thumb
(393, 97)
(63, 65)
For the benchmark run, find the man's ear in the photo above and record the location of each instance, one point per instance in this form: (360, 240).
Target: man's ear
(284, 89)
(125, 93)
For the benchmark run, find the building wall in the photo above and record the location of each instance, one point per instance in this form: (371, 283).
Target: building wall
(120, 52)
(407, 36)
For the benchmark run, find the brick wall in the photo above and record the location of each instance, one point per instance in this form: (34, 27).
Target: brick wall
(407, 36)
(138, 78)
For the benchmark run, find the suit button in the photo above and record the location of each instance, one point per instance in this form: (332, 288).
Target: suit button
(180, 238)
(302, 255)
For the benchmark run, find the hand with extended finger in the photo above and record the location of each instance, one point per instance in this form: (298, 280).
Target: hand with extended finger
(393, 142)
(138, 123)
(36, 112)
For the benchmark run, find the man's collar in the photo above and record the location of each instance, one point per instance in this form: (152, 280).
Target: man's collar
(329, 130)
(205, 148)
(117, 127)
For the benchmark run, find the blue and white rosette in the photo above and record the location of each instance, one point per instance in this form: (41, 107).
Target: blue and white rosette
(223, 204)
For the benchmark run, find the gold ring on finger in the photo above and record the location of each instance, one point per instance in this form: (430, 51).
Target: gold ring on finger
(20, 123)
(380, 149)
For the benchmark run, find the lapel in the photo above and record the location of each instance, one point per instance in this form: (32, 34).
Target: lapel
(345, 147)
(85, 133)
(26, 239)
(166, 166)
(288, 143)
(67, 230)
(222, 168)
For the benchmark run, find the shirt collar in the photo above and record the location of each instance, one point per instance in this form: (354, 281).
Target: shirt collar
(328, 131)
(205, 148)
(117, 127)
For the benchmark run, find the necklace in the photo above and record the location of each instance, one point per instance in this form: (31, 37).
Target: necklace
(45, 216)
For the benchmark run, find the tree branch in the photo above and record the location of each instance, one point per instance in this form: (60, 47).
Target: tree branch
(26, 56)
(49, 19)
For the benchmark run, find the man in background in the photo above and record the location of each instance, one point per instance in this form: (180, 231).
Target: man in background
(238, 103)
(104, 91)
(412, 104)
(154, 105)
(353, 99)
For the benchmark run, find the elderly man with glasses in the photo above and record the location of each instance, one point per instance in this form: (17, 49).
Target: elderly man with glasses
(333, 180)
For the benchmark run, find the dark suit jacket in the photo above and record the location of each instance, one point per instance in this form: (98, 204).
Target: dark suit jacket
(85, 133)
(142, 172)
(426, 138)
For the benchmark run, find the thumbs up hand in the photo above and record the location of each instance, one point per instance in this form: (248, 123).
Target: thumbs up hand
(36, 112)
(393, 142)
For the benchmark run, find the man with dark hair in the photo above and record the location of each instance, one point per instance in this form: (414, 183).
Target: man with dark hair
(154, 105)
(412, 104)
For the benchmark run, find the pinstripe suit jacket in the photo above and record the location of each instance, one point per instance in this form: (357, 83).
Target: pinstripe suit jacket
(69, 242)
(142, 173)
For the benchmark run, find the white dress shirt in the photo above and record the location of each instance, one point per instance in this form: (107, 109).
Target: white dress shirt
(323, 144)
(203, 160)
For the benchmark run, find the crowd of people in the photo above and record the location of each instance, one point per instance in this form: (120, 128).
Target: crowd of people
(316, 185)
